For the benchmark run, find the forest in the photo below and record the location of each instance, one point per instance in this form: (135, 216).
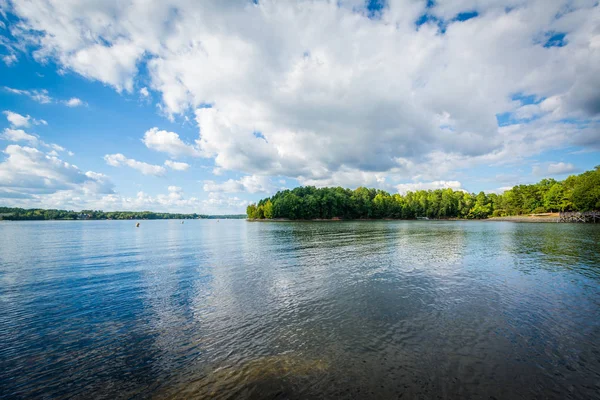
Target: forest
(576, 193)
(20, 214)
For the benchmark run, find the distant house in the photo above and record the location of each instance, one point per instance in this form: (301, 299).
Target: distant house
(3, 215)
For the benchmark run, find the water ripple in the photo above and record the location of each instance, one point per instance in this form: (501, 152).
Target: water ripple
(299, 310)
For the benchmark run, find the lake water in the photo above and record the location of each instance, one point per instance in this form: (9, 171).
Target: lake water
(235, 309)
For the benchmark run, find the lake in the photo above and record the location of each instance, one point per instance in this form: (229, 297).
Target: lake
(236, 309)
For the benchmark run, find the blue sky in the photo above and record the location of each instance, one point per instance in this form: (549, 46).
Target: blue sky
(192, 108)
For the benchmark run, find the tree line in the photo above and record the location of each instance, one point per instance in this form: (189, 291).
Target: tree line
(20, 214)
(576, 193)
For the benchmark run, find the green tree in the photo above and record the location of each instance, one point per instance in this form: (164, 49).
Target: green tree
(554, 198)
(251, 211)
(586, 192)
(268, 209)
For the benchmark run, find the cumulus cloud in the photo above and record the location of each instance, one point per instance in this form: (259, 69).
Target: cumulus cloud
(119, 160)
(10, 59)
(18, 120)
(551, 169)
(97, 183)
(220, 203)
(174, 200)
(250, 184)
(168, 142)
(351, 178)
(54, 146)
(229, 186)
(322, 90)
(499, 190)
(19, 135)
(74, 102)
(29, 171)
(412, 187)
(90, 196)
(177, 166)
(31, 178)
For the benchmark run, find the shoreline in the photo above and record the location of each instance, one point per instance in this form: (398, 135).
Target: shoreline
(515, 218)
(130, 220)
(526, 218)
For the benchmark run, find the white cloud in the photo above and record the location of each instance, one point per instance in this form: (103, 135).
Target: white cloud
(250, 184)
(218, 203)
(43, 97)
(174, 201)
(322, 91)
(97, 183)
(108, 64)
(177, 166)
(559, 168)
(74, 102)
(349, 177)
(40, 96)
(413, 187)
(18, 120)
(19, 135)
(229, 186)
(29, 171)
(144, 92)
(168, 142)
(55, 147)
(10, 59)
(30, 178)
(93, 194)
(118, 160)
(499, 190)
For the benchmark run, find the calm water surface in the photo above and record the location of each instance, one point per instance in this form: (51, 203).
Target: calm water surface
(231, 309)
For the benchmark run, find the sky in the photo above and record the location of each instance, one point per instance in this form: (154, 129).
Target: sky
(188, 106)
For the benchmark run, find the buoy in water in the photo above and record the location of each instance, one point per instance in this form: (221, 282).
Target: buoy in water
(137, 225)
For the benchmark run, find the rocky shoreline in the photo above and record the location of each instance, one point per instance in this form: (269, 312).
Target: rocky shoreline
(527, 218)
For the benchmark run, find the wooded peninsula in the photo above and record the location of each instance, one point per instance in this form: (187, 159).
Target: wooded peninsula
(576, 193)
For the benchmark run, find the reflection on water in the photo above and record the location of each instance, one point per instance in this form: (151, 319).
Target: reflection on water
(299, 310)
(274, 376)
